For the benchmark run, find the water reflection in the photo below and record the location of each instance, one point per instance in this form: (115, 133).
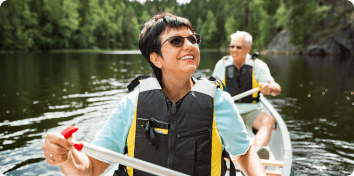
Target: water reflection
(48, 92)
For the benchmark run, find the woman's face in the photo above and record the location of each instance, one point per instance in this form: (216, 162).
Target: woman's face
(179, 61)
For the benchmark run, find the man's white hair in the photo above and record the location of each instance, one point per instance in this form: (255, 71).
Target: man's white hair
(246, 35)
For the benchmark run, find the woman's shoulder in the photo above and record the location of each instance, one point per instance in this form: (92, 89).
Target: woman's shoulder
(130, 98)
(223, 96)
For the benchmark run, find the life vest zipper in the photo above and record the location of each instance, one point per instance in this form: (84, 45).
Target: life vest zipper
(171, 141)
(195, 132)
(174, 108)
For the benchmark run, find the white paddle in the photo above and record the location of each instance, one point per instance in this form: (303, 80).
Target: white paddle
(115, 157)
(245, 94)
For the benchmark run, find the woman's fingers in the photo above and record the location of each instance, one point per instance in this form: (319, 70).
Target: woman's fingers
(56, 159)
(57, 146)
(58, 139)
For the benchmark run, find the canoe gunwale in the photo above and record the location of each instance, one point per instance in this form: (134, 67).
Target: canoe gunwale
(286, 171)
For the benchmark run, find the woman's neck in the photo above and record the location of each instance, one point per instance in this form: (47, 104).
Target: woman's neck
(176, 88)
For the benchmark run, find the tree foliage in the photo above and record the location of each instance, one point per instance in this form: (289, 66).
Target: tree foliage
(260, 23)
(28, 25)
(209, 31)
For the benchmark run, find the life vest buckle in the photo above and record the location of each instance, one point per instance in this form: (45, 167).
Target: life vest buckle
(148, 125)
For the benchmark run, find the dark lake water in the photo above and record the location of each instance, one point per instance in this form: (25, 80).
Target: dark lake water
(48, 92)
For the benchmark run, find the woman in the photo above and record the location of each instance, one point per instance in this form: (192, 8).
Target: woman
(170, 119)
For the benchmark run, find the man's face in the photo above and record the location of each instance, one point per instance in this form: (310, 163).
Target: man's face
(238, 50)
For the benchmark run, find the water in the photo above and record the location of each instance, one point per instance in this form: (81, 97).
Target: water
(40, 93)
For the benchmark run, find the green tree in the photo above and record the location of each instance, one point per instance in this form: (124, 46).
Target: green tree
(198, 27)
(118, 20)
(62, 20)
(131, 29)
(17, 26)
(259, 26)
(109, 29)
(144, 18)
(303, 19)
(281, 16)
(91, 13)
(231, 26)
(209, 31)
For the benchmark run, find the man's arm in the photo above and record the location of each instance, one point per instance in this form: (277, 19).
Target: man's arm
(251, 164)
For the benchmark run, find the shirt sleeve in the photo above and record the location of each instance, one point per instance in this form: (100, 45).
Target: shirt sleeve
(219, 69)
(230, 125)
(262, 72)
(113, 135)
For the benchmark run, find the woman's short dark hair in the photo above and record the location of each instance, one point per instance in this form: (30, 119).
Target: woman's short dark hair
(150, 36)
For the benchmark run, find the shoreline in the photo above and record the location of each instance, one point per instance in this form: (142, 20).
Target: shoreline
(221, 50)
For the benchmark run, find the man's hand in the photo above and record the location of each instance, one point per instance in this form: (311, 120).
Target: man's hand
(271, 88)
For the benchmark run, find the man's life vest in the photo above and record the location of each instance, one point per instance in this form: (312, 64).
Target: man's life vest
(181, 135)
(240, 81)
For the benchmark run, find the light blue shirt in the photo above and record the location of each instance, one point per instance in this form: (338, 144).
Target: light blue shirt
(261, 73)
(113, 135)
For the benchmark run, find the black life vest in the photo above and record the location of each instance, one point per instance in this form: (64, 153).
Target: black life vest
(182, 136)
(238, 82)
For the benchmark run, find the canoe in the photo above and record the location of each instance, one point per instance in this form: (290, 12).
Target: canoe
(279, 144)
(280, 160)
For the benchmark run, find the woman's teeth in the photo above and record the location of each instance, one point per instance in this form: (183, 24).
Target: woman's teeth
(187, 58)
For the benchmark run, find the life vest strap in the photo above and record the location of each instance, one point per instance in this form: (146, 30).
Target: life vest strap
(154, 123)
(148, 125)
(136, 82)
(218, 83)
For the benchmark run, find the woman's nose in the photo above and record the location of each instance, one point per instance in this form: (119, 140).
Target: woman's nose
(187, 44)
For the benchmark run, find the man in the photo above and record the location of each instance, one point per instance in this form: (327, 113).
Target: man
(240, 73)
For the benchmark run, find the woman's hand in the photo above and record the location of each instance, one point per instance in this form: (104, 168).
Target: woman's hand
(57, 146)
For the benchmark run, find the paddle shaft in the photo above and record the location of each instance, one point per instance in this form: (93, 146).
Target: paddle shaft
(115, 157)
(245, 94)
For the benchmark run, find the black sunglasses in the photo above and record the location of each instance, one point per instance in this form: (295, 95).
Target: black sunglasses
(178, 41)
(238, 47)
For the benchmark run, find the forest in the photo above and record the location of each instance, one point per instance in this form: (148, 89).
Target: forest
(41, 25)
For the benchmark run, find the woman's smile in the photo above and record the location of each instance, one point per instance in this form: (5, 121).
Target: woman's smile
(187, 58)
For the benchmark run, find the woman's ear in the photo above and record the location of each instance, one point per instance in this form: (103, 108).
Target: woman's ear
(156, 59)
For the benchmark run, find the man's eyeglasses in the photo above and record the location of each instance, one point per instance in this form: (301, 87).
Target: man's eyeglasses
(178, 41)
(238, 47)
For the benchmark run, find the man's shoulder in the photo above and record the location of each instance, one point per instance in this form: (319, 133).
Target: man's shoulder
(256, 63)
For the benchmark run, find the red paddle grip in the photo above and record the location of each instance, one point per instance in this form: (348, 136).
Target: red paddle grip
(69, 131)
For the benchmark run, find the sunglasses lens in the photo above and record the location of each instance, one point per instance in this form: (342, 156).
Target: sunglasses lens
(198, 37)
(192, 39)
(177, 41)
